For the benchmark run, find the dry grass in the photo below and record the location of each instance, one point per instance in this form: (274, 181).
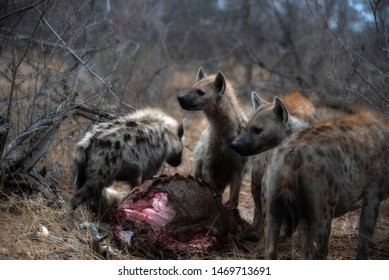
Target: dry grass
(23, 214)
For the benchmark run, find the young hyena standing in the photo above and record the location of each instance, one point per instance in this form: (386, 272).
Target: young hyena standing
(269, 125)
(323, 172)
(130, 148)
(215, 161)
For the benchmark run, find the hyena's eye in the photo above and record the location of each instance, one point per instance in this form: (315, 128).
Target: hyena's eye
(200, 92)
(256, 130)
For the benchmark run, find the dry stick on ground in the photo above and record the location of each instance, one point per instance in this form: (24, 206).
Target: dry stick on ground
(44, 235)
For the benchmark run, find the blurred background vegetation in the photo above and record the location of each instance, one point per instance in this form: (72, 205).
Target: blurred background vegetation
(144, 50)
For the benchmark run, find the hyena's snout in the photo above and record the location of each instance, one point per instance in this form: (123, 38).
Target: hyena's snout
(183, 100)
(240, 146)
(189, 101)
(174, 160)
(237, 146)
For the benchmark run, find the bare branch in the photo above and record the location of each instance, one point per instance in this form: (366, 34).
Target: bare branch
(90, 113)
(24, 9)
(16, 65)
(39, 149)
(4, 128)
(357, 69)
(83, 63)
(35, 181)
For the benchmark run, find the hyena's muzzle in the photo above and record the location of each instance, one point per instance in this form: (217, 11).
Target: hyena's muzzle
(192, 100)
(243, 145)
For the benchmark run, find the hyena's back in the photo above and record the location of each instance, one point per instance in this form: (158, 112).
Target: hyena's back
(131, 148)
(322, 173)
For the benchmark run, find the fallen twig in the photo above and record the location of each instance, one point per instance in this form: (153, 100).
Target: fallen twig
(44, 235)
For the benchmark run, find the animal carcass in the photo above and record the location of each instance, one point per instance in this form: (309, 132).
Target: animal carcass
(176, 213)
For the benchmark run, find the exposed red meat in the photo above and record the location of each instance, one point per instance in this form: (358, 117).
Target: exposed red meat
(176, 212)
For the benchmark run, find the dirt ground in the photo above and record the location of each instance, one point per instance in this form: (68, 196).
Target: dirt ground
(24, 217)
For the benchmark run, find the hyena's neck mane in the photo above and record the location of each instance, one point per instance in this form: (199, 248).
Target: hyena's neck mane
(226, 117)
(294, 124)
(302, 113)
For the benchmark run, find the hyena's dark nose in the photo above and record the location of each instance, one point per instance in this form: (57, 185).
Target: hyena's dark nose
(180, 98)
(235, 145)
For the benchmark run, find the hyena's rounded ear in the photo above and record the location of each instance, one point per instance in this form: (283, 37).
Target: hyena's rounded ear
(200, 74)
(220, 83)
(257, 100)
(280, 110)
(181, 128)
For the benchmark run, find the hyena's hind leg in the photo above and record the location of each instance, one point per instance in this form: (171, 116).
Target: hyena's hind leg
(367, 221)
(83, 194)
(317, 240)
(273, 220)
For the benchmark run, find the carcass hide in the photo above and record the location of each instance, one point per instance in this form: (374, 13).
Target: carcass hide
(175, 213)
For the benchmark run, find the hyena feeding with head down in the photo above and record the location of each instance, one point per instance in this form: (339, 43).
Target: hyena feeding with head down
(270, 124)
(323, 172)
(215, 162)
(130, 148)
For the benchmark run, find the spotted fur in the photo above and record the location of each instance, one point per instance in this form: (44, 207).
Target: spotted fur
(130, 148)
(323, 172)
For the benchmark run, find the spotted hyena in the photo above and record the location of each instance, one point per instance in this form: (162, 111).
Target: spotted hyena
(269, 125)
(215, 162)
(130, 148)
(323, 172)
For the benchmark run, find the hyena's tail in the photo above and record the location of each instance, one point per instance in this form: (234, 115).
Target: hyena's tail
(80, 162)
(292, 203)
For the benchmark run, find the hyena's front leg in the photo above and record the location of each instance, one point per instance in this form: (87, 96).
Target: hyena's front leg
(236, 181)
(204, 170)
(199, 169)
(256, 192)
